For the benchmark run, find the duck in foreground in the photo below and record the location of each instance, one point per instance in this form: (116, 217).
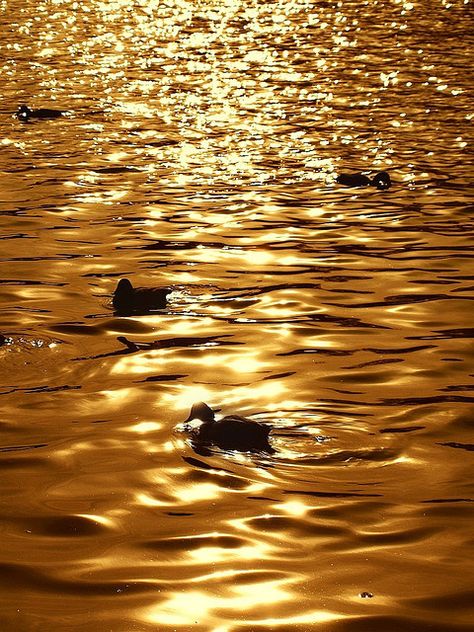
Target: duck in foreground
(381, 180)
(229, 433)
(24, 113)
(128, 299)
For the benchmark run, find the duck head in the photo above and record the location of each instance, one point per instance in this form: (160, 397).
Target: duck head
(202, 412)
(123, 295)
(23, 113)
(124, 289)
(381, 180)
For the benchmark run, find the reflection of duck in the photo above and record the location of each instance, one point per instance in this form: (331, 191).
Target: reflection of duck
(381, 180)
(128, 299)
(229, 433)
(24, 113)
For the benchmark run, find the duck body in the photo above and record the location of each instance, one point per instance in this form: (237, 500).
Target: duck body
(128, 299)
(353, 180)
(24, 113)
(381, 180)
(230, 433)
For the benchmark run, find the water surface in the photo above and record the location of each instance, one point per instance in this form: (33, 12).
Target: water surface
(199, 151)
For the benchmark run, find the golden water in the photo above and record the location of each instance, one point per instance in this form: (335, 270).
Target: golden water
(199, 151)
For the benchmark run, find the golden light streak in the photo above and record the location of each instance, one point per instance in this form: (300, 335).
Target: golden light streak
(188, 395)
(148, 501)
(241, 364)
(217, 555)
(198, 492)
(293, 508)
(196, 606)
(144, 427)
(106, 522)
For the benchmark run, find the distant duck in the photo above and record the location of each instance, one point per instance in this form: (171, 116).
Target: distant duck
(229, 433)
(24, 113)
(128, 299)
(381, 180)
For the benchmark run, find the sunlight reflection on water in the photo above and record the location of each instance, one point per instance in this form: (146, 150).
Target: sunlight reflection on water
(199, 150)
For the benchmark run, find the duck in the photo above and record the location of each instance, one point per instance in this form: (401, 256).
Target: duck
(232, 432)
(381, 180)
(24, 113)
(128, 299)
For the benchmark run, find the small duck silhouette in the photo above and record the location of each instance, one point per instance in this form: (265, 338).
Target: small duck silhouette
(381, 180)
(24, 113)
(229, 433)
(128, 299)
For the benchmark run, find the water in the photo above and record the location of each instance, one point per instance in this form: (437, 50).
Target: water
(199, 151)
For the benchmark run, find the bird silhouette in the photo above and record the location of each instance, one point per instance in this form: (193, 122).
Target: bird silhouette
(24, 113)
(381, 180)
(232, 432)
(131, 300)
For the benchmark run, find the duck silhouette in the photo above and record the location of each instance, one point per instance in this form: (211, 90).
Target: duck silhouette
(24, 113)
(232, 432)
(128, 299)
(381, 180)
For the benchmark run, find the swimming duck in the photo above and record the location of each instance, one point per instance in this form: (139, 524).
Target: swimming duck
(128, 299)
(229, 433)
(381, 180)
(24, 113)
